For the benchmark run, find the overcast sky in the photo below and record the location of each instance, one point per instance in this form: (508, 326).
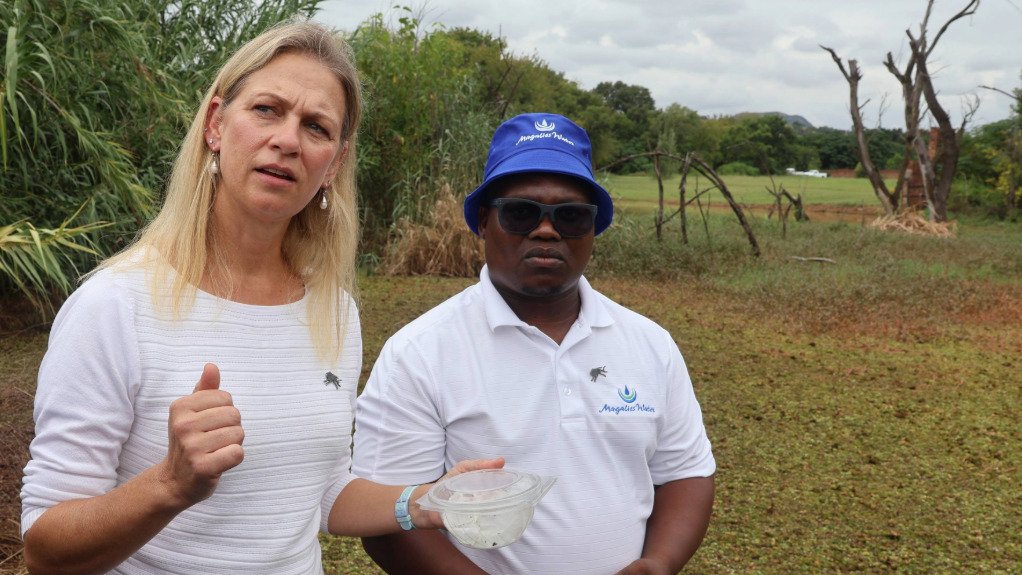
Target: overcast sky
(721, 57)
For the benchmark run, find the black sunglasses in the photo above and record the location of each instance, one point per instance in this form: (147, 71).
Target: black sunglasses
(519, 216)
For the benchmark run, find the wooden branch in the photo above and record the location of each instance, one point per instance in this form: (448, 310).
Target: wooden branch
(511, 94)
(683, 219)
(701, 193)
(1008, 94)
(660, 197)
(840, 64)
(853, 75)
(969, 10)
(893, 69)
(813, 259)
(939, 172)
(969, 114)
(703, 168)
(623, 160)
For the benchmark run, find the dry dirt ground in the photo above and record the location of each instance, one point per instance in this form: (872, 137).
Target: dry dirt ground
(20, 353)
(990, 327)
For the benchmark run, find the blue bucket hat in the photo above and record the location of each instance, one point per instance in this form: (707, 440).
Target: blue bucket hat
(547, 143)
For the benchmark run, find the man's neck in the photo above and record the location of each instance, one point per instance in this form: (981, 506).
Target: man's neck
(552, 315)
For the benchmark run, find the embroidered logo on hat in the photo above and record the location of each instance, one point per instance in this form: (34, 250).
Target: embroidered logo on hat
(545, 126)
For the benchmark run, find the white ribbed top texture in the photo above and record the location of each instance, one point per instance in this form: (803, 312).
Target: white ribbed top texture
(114, 365)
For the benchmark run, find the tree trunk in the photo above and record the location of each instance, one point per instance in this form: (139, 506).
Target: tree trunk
(942, 166)
(852, 75)
(681, 198)
(660, 197)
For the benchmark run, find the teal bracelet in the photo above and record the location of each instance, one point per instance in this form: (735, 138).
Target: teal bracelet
(404, 519)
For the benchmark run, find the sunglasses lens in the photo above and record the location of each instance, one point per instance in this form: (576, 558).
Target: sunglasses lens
(519, 217)
(523, 216)
(573, 221)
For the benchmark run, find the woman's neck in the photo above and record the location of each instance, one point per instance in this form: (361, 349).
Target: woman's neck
(250, 267)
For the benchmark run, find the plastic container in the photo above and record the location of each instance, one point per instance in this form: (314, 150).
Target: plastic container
(489, 508)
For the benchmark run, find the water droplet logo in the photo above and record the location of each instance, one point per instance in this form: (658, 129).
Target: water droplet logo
(545, 126)
(627, 396)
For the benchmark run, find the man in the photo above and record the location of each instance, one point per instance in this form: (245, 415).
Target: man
(534, 365)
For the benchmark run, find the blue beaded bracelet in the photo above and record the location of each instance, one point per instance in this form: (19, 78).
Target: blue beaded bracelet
(404, 519)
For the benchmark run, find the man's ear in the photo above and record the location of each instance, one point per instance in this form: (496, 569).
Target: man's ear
(481, 220)
(213, 117)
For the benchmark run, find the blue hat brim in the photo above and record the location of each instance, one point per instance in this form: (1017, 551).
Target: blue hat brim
(542, 160)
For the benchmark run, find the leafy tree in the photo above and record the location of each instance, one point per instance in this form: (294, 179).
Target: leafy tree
(886, 147)
(681, 130)
(767, 142)
(804, 157)
(835, 148)
(635, 111)
(991, 155)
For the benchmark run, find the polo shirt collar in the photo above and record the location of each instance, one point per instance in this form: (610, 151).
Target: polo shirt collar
(498, 313)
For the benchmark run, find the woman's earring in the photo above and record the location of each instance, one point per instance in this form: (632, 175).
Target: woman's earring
(322, 201)
(214, 166)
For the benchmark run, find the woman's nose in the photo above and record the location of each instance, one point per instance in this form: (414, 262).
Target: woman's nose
(286, 138)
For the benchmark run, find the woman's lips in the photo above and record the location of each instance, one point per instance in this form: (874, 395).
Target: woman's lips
(277, 172)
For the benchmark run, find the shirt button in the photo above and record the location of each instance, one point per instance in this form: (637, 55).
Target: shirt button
(567, 391)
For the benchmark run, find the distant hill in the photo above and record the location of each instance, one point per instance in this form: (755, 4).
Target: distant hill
(797, 122)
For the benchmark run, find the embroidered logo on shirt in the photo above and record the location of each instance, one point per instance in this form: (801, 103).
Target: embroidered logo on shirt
(627, 395)
(332, 379)
(597, 372)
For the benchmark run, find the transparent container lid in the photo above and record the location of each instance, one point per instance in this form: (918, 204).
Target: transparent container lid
(486, 490)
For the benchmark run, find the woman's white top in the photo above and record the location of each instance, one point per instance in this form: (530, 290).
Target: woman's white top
(112, 368)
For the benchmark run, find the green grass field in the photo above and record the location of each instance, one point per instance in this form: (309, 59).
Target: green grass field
(864, 414)
(631, 191)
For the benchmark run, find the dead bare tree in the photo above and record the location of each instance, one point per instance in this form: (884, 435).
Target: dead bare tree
(888, 199)
(780, 194)
(940, 171)
(916, 84)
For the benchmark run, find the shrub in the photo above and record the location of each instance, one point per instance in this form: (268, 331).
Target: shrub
(737, 169)
(425, 126)
(442, 246)
(971, 197)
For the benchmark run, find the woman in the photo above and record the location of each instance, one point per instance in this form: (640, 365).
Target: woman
(231, 313)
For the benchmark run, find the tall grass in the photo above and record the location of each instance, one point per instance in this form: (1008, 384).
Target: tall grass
(35, 260)
(425, 128)
(441, 246)
(94, 101)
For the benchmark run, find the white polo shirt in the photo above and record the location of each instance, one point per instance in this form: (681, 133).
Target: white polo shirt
(610, 412)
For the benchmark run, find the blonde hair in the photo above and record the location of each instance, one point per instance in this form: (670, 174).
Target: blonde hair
(319, 245)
